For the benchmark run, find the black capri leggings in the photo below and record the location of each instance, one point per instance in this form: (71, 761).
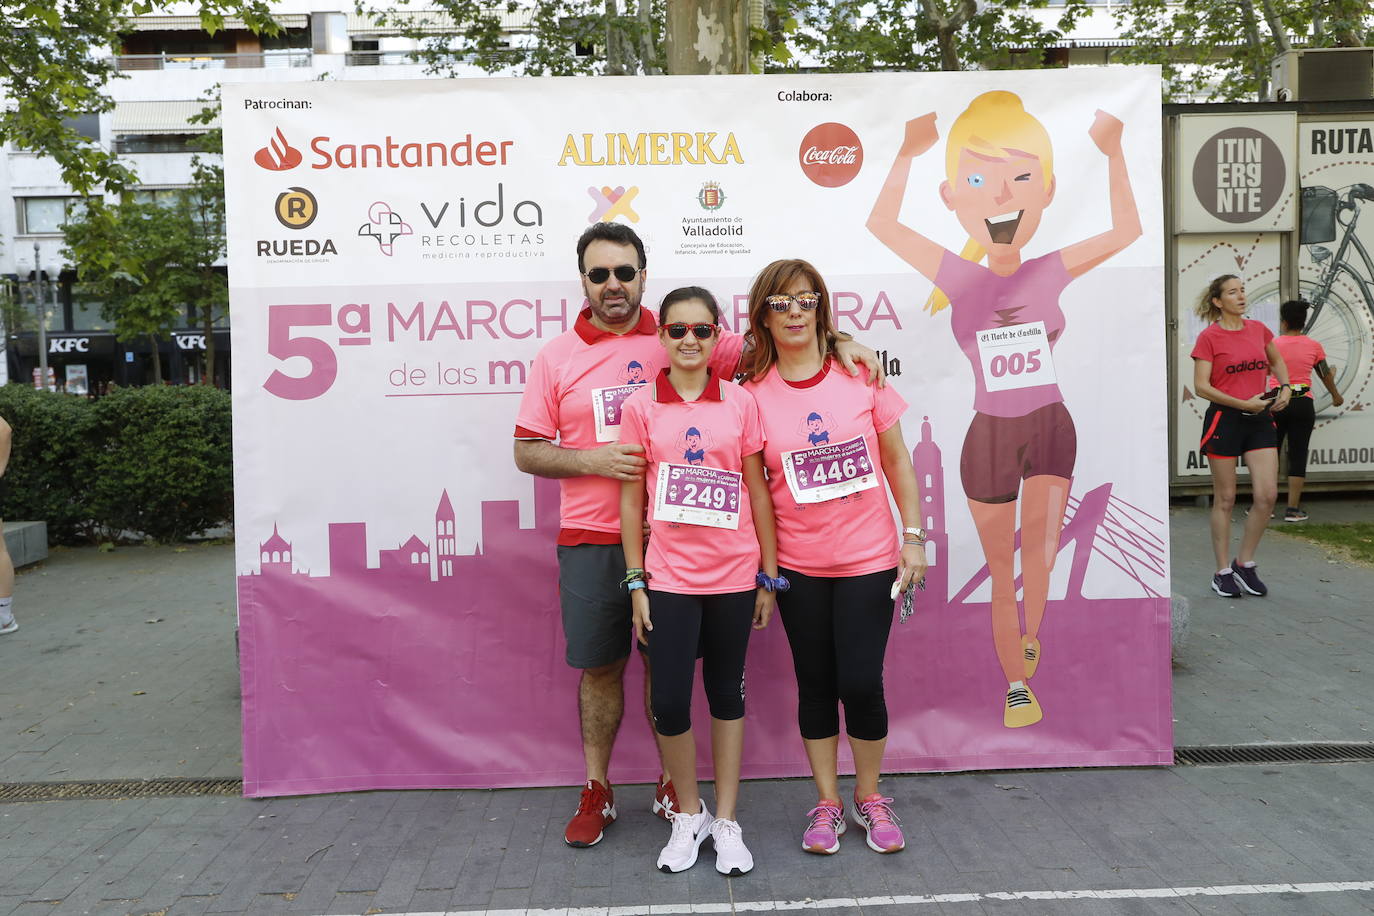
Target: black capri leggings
(712, 627)
(1296, 421)
(838, 629)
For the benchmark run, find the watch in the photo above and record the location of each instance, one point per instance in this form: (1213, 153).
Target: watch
(918, 533)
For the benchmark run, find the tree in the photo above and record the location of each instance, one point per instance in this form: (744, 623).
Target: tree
(55, 67)
(1221, 50)
(146, 260)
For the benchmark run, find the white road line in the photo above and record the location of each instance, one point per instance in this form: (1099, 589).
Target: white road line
(834, 903)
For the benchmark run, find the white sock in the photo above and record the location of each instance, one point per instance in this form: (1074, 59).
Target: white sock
(1224, 571)
(1015, 685)
(1250, 565)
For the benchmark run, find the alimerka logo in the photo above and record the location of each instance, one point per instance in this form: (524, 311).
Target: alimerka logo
(831, 154)
(278, 155)
(385, 225)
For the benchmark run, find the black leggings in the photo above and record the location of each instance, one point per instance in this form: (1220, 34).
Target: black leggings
(712, 627)
(838, 629)
(1296, 422)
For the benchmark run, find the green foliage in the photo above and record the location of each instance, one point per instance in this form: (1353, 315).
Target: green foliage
(164, 466)
(55, 67)
(1221, 51)
(50, 461)
(153, 461)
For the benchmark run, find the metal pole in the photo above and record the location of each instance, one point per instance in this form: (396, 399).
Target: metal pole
(42, 310)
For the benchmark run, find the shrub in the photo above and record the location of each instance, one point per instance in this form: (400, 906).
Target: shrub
(50, 461)
(154, 461)
(164, 462)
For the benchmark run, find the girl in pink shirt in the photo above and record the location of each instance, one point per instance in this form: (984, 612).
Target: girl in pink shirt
(1304, 357)
(832, 443)
(711, 567)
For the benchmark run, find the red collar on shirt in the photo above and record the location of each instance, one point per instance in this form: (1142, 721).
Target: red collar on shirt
(590, 333)
(665, 393)
(813, 381)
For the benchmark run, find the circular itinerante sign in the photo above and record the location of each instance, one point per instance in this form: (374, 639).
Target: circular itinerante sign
(831, 154)
(1239, 174)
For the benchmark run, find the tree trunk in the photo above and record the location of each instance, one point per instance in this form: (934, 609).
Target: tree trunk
(615, 40)
(157, 361)
(707, 36)
(1276, 28)
(648, 58)
(946, 27)
(1256, 49)
(207, 323)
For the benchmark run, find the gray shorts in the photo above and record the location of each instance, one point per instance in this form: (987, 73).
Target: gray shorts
(597, 619)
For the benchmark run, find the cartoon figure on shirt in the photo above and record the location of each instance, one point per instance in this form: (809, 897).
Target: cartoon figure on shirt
(816, 428)
(634, 373)
(695, 450)
(1020, 449)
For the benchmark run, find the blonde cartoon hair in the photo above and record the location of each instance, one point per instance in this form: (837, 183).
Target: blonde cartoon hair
(994, 124)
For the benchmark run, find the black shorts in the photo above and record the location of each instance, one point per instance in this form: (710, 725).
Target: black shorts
(1000, 452)
(1230, 433)
(1295, 422)
(596, 607)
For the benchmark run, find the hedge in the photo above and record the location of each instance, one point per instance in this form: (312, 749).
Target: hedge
(155, 462)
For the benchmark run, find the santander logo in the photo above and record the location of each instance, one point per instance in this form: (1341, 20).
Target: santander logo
(278, 155)
(831, 154)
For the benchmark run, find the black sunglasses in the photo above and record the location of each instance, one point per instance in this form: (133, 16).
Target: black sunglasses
(782, 303)
(624, 273)
(678, 330)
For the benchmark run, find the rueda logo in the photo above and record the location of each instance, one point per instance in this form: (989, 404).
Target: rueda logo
(296, 208)
(278, 155)
(831, 154)
(612, 202)
(385, 225)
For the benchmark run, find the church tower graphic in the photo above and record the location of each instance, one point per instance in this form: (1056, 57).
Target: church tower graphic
(930, 474)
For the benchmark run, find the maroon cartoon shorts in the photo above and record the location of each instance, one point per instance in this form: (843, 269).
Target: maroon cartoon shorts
(1000, 452)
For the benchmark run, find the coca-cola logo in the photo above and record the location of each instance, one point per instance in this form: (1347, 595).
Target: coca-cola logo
(831, 154)
(278, 155)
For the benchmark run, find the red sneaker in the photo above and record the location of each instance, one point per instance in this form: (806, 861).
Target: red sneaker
(665, 799)
(595, 812)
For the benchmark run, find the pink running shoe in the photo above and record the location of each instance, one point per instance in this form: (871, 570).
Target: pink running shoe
(876, 818)
(827, 825)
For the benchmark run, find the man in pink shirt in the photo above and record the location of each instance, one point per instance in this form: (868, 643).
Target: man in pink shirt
(568, 428)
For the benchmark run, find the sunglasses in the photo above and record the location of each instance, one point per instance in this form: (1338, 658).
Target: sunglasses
(678, 330)
(783, 303)
(624, 273)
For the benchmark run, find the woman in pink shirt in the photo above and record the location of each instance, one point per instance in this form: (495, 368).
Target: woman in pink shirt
(1231, 359)
(711, 567)
(832, 442)
(1303, 356)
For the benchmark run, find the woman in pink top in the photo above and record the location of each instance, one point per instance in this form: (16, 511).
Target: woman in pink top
(1303, 356)
(1021, 446)
(1231, 360)
(711, 567)
(832, 443)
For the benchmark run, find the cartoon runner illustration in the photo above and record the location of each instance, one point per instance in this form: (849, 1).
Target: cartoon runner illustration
(694, 453)
(634, 373)
(816, 434)
(1021, 446)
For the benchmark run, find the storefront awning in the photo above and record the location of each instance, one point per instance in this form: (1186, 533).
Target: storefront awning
(167, 117)
(428, 22)
(193, 23)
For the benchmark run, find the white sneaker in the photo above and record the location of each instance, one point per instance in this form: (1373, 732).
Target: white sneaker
(9, 626)
(689, 830)
(732, 856)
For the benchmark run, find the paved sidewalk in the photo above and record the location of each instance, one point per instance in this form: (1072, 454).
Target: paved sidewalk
(93, 690)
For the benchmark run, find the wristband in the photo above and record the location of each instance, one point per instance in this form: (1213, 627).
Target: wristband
(768, 583)
(634, 574)
(636, 585)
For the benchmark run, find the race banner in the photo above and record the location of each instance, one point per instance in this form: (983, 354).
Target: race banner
(401, 250)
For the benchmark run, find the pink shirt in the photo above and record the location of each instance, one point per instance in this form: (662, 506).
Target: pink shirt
(696, 452)
(1300, 353)
(826, 429)
(1239, 363)
(577, 386)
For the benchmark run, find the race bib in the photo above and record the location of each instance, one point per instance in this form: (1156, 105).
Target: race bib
(606, 404)
(697, 495)
(825, 472)
(1017, 356)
